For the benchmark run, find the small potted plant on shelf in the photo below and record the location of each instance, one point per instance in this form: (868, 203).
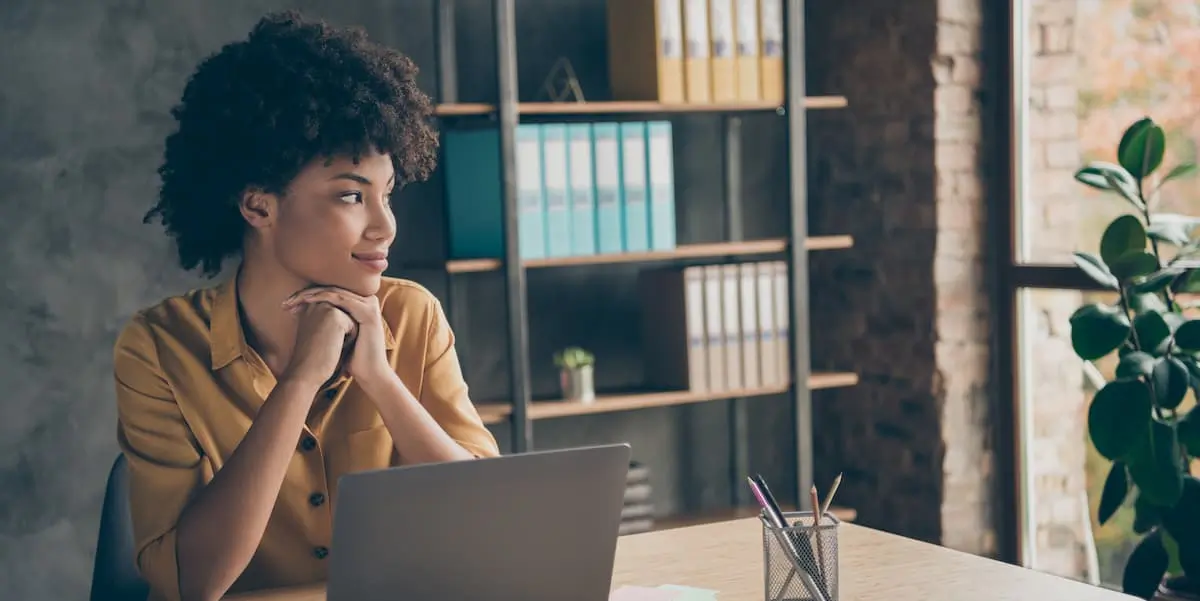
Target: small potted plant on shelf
(1138, 420)
(575, 374)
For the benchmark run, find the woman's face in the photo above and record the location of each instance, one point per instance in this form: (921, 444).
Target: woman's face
(334, 224)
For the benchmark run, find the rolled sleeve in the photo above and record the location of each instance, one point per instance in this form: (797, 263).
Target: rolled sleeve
(444, 391)
(165, 464)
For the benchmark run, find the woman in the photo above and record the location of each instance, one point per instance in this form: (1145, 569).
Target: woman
(240, 405)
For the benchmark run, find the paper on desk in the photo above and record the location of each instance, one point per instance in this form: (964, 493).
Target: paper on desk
(666, 592)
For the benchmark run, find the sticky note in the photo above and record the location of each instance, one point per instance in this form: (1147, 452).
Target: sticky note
(690, 593)
(644, 593)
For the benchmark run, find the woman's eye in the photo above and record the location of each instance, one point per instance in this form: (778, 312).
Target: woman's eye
(351, 197)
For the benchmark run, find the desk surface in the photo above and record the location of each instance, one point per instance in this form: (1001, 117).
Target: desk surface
(727, 557)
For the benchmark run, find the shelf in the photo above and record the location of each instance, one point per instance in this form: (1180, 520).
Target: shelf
(844, 514)
(687, 251)
(630, 106)
(494, 413)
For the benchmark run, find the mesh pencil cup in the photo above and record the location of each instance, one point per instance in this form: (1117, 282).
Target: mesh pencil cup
(800, 562)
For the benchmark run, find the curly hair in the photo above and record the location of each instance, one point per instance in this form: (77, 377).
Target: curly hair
(256, 112)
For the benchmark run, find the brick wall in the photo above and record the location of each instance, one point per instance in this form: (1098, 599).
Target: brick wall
(902, 170)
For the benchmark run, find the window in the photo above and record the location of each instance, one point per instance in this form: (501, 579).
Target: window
(1083, 71)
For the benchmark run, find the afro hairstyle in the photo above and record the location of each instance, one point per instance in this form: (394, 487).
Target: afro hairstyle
(256, 112)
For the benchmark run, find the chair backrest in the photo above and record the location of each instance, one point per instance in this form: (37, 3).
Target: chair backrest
(114, 575)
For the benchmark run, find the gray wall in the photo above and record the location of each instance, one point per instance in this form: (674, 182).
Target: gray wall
(83, 112)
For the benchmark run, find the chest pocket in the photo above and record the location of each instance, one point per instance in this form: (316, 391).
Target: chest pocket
(369, 449)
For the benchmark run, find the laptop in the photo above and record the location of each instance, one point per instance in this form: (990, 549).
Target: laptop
(535, 526)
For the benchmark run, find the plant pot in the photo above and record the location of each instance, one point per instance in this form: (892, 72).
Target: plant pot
(577, 384)
(1177, 588)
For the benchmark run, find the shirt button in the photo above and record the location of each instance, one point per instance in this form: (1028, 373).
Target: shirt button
(308, 443)
(316, 499)
(320, 552)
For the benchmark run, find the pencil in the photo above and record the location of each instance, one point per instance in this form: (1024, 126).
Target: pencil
(832, 491)
(818, 516)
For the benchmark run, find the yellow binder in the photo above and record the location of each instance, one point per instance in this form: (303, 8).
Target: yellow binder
(645, 50)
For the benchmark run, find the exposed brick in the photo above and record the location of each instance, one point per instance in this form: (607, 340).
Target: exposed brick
(1063, 154)
(957, 38)
(1054, 68)
(1056, 38)
(1063, 96)
(1053, 125)
(959, 11)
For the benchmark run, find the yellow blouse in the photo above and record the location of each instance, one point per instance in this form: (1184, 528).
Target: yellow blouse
(188, 387)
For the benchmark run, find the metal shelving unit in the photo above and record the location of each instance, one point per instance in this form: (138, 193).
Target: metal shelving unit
(521, 411)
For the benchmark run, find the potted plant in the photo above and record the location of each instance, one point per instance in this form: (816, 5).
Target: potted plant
(575, 366)
(1136, 420)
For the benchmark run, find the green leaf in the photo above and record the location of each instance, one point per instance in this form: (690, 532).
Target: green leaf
(1171, 381)
(1124, 235)
(1156, 465)
(1179, 171)
(1141, 148)
(1158, 280)
(1097, 330)
(1172, 228)
(1182, 520)
(1153, 332)
(1145, 567)
(1096, 174)
(1146, 515)
(1191, 282)
(1095, 268)
(1187, 337)
(1188, 429)
(1119, 418)
(1142, 303)
(1116, 488)
(1135, 364)
(1134, 264)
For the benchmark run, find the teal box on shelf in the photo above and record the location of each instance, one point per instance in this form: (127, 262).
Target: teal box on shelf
(554, 181)
(633, 182)
(661, 167)
(471, 161)
(610, 226)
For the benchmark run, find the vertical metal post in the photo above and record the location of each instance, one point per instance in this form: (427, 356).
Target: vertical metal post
(447, 55)
(504, 17)
(798, 260)
(739, 454)
(446, 71)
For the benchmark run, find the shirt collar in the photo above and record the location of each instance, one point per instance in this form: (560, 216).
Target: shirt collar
(228, 339)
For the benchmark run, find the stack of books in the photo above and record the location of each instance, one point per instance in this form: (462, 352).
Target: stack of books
(696, 51)
(582, 189)
(716, 328)
(637, 515)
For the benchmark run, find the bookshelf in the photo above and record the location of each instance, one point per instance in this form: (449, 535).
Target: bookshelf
(520, 410)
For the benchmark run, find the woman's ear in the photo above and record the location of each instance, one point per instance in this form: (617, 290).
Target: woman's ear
(259, 208)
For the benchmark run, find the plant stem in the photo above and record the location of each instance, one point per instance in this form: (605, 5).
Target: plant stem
(1137, 346)
(1154, 243)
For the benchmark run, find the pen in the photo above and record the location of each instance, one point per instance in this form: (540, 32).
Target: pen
(773, 515)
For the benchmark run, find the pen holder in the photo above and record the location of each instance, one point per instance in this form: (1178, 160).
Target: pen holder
(800, 562)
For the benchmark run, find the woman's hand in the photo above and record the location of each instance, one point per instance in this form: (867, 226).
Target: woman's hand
(368, 361)
(321, 335)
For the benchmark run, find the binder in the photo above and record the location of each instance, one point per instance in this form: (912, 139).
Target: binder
(609, 222)
(732, 325)
(696, 79)
(554, 182)
(673, 328)
(645, 50)
(581, 183)
(746, 44)
(474, 201)
(768, 349)
(782, 319)
(531, 201)
(751, 330)
(770, 27)
(714, 329)
(661, 158)
(633, 183)
(723, 64)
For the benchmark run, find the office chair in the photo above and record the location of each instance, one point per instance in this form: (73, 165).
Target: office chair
(114, 574)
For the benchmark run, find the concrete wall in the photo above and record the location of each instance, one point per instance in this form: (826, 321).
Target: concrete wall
(83, 111)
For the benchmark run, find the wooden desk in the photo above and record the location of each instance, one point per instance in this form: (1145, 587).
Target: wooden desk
(727, 557)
